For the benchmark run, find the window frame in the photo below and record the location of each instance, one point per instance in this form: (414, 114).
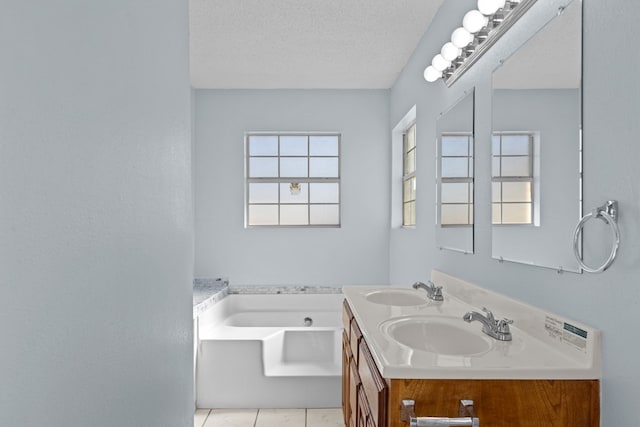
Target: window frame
(291, 180)
(409, 176)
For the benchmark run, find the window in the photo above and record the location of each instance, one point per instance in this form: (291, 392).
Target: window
(456, 179)
(512, 178)
(409, 177)
(293, 179)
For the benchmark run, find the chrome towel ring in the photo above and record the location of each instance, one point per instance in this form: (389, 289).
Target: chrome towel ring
(609, 214)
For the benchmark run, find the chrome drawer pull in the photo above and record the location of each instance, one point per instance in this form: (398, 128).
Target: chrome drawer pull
(407, 414)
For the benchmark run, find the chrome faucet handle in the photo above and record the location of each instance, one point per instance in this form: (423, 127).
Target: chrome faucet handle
(503, 325)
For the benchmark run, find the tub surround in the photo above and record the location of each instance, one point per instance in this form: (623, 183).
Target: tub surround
(544, 346)
(209, 291)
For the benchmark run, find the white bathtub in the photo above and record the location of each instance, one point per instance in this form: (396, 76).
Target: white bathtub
(255, 351)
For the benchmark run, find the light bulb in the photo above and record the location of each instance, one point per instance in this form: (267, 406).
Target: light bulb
(489, 7)
(431, 74)
(473, 21)
(450, 51)
(439, 63)
(461, 38)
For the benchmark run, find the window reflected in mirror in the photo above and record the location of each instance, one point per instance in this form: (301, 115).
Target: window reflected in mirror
(454, 176)
(456, 187)
(512, 178)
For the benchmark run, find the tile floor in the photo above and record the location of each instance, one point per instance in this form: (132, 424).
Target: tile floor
(268, 418)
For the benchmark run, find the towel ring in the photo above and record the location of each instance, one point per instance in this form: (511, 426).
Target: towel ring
(608, 213)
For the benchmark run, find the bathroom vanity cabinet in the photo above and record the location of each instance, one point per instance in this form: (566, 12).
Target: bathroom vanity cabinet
(369, 400)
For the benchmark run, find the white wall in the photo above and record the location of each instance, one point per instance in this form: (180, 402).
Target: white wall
(609, 301)
(96, 227)
(356, 253)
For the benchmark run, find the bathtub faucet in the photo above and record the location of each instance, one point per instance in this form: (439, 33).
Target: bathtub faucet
(434, 292)
(498, 329)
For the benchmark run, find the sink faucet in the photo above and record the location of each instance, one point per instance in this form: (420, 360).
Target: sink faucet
(498, 329)
(434, 292)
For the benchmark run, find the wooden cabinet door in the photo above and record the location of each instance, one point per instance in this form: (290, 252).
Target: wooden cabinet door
(346, 377)
(354, 386)
(374, 386)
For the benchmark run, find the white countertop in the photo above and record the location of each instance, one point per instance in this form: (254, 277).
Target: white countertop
(544, 345)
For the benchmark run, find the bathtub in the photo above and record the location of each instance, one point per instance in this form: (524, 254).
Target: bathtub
(270, 351)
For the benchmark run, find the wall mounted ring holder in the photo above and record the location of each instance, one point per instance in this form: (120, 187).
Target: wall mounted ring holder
(609, 214)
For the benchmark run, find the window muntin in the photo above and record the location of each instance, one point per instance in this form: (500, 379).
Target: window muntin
(293, 179)
(512, 178)
(456, 179)
(409, 177)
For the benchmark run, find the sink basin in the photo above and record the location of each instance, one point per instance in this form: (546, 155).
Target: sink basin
(400, 297)
(436, 334)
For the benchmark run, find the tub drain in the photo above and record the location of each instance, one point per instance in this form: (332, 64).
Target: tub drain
(308, 321)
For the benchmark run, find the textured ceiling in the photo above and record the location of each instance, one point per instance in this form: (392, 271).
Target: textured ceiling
(309, 44)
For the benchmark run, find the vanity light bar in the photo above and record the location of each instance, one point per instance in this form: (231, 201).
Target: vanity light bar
(481, 28)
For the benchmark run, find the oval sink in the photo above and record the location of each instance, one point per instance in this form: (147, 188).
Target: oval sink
(396, 297)
(436, 334)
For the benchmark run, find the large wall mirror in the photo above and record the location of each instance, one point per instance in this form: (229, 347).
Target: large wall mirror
(536, 146)
(455, 145)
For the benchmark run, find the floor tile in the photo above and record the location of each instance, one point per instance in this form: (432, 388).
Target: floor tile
(281, 418)
(231, 418)
(325, 417)
(200, 417)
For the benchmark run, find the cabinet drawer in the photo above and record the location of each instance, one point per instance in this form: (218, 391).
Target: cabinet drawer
(373, 385)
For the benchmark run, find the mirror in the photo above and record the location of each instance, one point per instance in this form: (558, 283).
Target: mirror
(455, 148)
(536, 146)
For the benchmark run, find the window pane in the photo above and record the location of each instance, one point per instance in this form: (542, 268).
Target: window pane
(455, 167)
(496, 195)
(294, 215)
(455, 145)
(517, 213)
(409, 189)
(516, 166)
(410, 138)
(325, 214)
(295, 192)
(495, 166)
(263, 145)
(454, 214)
(495, 145)
(293, 167)
(515, 145)
(496, 215)
(409, 213)
(263, 214)
(263, 167)
(263, 193)
(324, 145)
(293, 145)
(410, 162)
(516, 191)
(323, 167)
(324, 193)
(457, 192)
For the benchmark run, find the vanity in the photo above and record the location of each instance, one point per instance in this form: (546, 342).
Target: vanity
(399, 345)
